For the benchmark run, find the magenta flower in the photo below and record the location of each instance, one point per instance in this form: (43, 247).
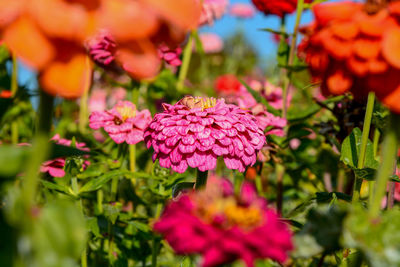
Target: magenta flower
(242, 10)
(55, 167)
(123, 122)
(212, 10)
(170, 56)
(195, 131)
(223, 227)
(102, 49)
(211, 42)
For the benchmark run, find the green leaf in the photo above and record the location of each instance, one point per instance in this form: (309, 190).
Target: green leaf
(58, 187)
(58, 151)
(369, 174)
(285, 34)
(378, 239)
(111, 211)
(351, 149)
(93, 226)
(13, 159)
(98, 182)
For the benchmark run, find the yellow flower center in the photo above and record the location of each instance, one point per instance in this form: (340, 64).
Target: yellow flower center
(246, 217)
(199, 102)
(126, 112)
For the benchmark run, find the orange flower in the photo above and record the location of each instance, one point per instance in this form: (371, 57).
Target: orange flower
(51, 35)
(349, 50)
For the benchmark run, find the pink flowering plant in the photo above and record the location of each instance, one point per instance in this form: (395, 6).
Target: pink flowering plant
(164, 133)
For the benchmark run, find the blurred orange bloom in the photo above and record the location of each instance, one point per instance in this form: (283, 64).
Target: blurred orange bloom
(348, 49)
(51, 35)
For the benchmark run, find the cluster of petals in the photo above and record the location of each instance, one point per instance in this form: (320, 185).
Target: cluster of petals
(227, 84)
(277, 7)
(224, 227)
(123, 122)
(211, 42)
(55, 167)
(212, 10)
(170, 56)
(52, 36)
(242, 10)
(350, 50)
(194, 133)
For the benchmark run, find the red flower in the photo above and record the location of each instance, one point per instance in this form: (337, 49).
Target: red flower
(5, 94)
(227, 83)
(349, 50)
(276, 7)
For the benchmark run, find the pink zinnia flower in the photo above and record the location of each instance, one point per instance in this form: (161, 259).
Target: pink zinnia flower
(242, 10)
(274, 95)
(102, 49)
(212, 10)
(211, 42)
(195, 131)
(55, 167)
(170, 56)
(123, 122)
(224, 227)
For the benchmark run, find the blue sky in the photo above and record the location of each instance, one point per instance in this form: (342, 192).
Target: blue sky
(225, 27)
(261, 40)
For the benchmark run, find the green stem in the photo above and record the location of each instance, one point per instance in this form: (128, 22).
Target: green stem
(100, 197)
(364, 142)
(389, 153)
(14, 132)
(201, 179)
(187, 54)
(83, 105)
(84, 258)
(280, 171)
(156, 246)
(300, 8)
(45, 113)
(14, 76)
(132, 161)
(377, 135)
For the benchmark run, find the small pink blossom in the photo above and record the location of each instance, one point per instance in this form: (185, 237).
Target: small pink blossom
(102, 49)
(123, 122)
(242, 10)
(170, 56)
(195, 131)
(211, 42)
(212, 10)
(224, 227)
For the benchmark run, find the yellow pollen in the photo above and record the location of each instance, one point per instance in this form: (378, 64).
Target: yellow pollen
(126, 112)
(199, 102)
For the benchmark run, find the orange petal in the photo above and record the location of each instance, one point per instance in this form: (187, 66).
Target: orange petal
(391, 46)
(325, 13)
(339, 82)
(139, 65)
(394, 8)
(185, 13)
(366, 48)
(357, 66)
(337, 48)
(372, 25)
(67, 79)
(345, 31)
(29, 43)
(127, 20)
(65, 20)
(9, 10)
(377, 66)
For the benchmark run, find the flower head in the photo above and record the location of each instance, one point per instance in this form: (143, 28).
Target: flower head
(276, 7)
(242, 10)
(350, 50)
(224, 227)
(51, 36)
(211, 42)
(212, 10)
(123, 122)
(227, 84)
(195, 131)
(170, 56)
